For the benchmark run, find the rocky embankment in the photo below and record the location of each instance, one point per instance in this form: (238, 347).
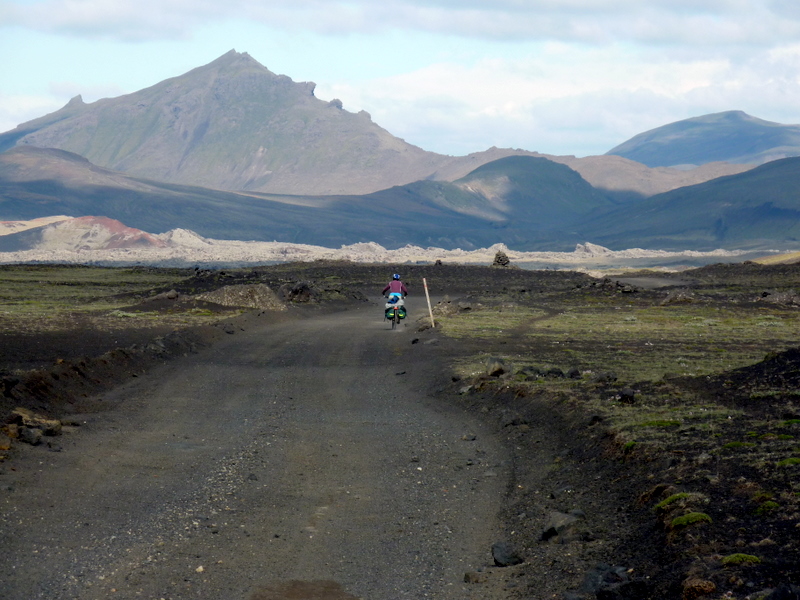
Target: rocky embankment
(99, 241)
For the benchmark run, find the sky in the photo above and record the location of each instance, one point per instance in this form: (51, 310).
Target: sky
(565, 77)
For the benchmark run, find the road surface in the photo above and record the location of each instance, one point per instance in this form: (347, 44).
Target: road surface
(304, 459)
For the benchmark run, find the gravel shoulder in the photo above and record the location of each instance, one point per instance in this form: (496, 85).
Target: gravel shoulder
(304, 455)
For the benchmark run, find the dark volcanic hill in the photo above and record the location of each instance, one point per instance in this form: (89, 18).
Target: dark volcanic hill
(536, 191)
(234, 125)
(515, 200)
(757, 209)
(732, 136)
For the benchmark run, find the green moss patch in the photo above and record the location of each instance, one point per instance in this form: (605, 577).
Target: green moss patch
(767, 507)
(692, 518)
(660, 423)
(738, 445)
(740, 559)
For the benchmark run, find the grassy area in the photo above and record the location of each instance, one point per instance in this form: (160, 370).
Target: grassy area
(35, 298)
(638, 342)
(696, 393)
(34, 289)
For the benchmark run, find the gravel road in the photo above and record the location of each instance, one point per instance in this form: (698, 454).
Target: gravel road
(304, 459)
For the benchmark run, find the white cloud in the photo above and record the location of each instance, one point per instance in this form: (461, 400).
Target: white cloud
(699, 23)
(567, 99)
(455, 76)
(17, 109)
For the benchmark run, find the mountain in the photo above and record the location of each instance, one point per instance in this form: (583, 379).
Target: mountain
(733, 137)
(527, 203)
(10, 227)
(757, 209)
(512, 201)
(627, 180)
(231, 124)
(80, 234)
(536, 191)
(234, 125)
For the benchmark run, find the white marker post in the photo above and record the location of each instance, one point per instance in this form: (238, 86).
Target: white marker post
(428, 298)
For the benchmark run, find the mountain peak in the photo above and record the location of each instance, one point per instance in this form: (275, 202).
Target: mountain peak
(731, 136)
(232, 57)
(230, 124)
(76, 101)
(727, 117)
(241, 67)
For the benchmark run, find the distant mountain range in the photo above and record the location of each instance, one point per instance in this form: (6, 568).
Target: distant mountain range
(757, 209)
(514, 199)
(233, 151)
(528, 203)
(733, 137)
(234, 125)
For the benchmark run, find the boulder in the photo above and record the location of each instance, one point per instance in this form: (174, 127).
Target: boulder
(445, 308)
(496, 366)
(29, 419)
(559, 525)
(695, 588)
(604, 377)
(301, 292)
(678, 297)
(605, 582)
(30, 435)
(475, 577)
(529, 373)
(505, 555)
(785, 591)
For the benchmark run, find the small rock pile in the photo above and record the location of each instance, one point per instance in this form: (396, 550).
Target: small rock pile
(257, 295)
(27, 426)
(501, 259)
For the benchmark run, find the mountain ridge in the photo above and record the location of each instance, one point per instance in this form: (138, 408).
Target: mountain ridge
(529, 203)
(32, 184)
(730, 136)
(235, 125)
(756, 209)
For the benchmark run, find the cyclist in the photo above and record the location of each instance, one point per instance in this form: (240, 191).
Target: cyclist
(396, 288)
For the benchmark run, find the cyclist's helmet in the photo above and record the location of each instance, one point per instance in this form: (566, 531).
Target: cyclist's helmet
(396, 276)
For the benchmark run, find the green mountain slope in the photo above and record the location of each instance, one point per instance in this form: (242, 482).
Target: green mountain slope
(536, 190)
(756, 209)
(732, 136)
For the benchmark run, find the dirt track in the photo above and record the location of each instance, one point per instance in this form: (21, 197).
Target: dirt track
(304, 459)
